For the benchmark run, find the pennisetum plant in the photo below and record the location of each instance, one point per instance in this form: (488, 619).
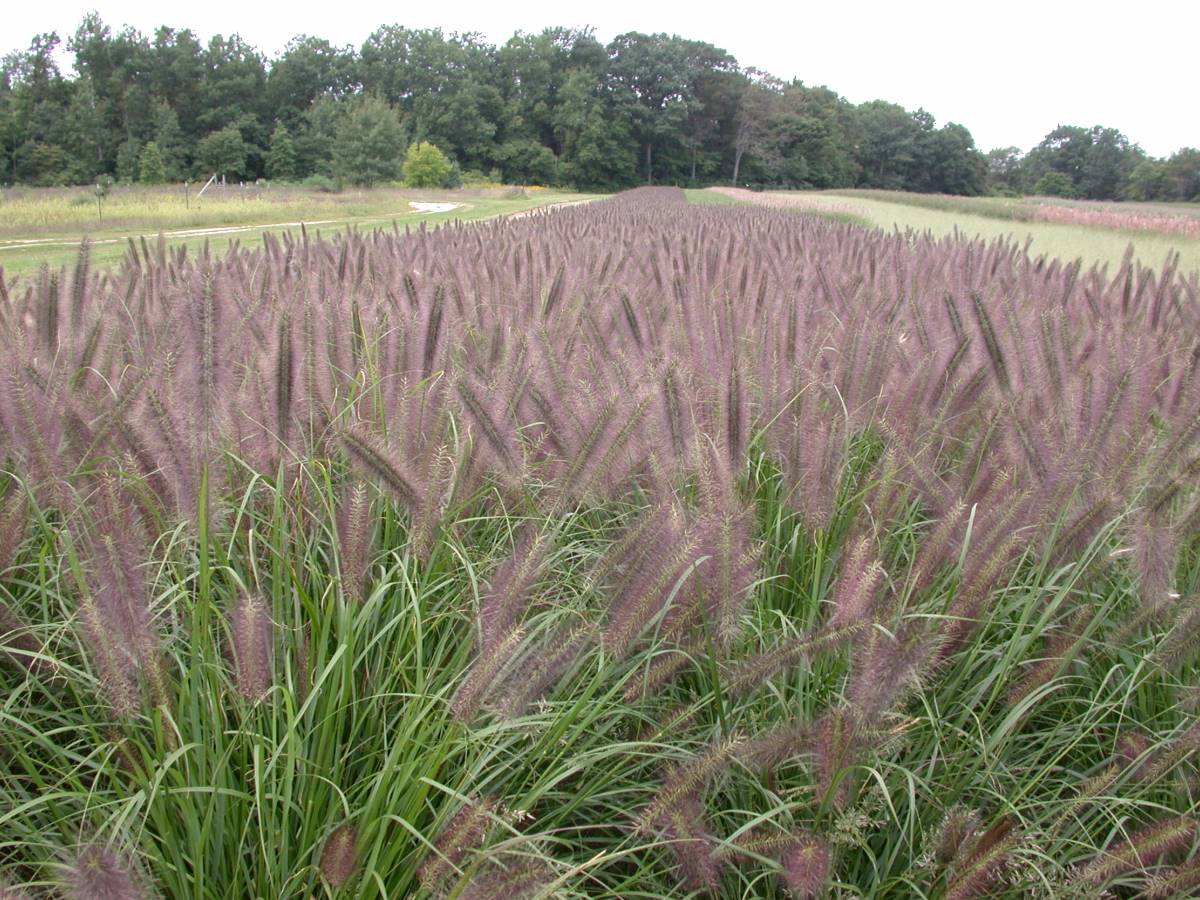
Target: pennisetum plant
(971, 471)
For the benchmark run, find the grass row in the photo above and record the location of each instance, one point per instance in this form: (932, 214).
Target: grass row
(46, 226)
(989, 219)
(219, 796)
(1062, 241)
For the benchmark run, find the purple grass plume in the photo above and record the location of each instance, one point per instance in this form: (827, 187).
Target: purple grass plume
(1141, 849)
(375, 458)
(959, 826)
(1135, 749)
(685, 781)
(686, 829)
(101, 873)
(1060, 648)
(857, 584)
(121, 637)
(114, 666)
(1155, 547)
(509, 880)
(339, 858)
(510, 589)
(1182, 643)
(779, 744)
(9, 891)
(806, 866)
(762, 841)
(253, 636)
(1175, 882)
(354, 536)
(752, 672)
(485, 675)
(13, 525)
(19, 645)
(886, 667)
(544, 667)
(466, 832)
(978, 872)
(837, 743)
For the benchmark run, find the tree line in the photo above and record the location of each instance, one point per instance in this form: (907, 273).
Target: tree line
(1095, 163)
(557, 107)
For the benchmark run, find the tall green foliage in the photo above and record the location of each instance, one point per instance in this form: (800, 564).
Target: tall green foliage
(151, 169)
(168, 136)
(223, 153)
(282, 164)
(367, 148)
(556, 106)
(425, 165)
(1055, 184)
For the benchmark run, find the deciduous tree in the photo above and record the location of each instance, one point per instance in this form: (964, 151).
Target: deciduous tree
(369, 142)
(223, 153)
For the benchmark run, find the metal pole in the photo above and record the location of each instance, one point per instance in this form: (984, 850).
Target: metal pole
(205, 188)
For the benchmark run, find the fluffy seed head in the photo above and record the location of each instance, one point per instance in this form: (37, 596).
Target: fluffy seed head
(253, 635)
(807, 864)
(465, 831)
(339, 859)
(100, 873)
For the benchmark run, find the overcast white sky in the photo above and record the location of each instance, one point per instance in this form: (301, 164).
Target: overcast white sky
(1010, 70)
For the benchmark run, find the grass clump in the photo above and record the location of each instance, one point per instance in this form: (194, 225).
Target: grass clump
(635, 550)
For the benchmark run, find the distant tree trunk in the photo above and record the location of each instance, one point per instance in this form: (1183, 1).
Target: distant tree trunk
(737, 164)
(694, 151)
(649, 170)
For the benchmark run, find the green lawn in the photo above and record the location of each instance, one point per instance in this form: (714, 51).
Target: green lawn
(708, 197)
(46, 226)
(1092, 244)
(1064, 241)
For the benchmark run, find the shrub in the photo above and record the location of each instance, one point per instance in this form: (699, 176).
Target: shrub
(1055, 184)
(281, 157)
(426, 166)
(322, 183)
(150, 168)
(223, 152)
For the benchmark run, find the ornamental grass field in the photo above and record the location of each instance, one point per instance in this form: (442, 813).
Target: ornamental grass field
(46, 225)
(628, 550)
(1093, 231)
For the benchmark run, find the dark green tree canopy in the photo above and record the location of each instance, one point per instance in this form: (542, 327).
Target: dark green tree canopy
(555, 106)
(282, 163)
(224, 153)
(1097, 161)
(309, 68)
(151, 169)
(369, 142)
